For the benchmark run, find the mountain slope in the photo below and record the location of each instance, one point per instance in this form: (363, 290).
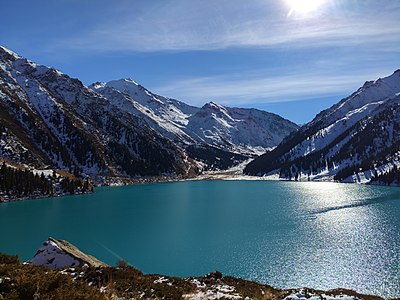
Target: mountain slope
(355, 140)
(120, 129)
(51, 120)
(166, 116)
(236, 130)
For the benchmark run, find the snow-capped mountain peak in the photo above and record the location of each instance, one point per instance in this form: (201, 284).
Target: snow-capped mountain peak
(213, 105)
(218, 112)
(370, 92)
(239, 128)
(165, 115)
(130, 80)
(126, 85)
(242, 131)
(5, 51)
(53, 120)
(354, 140)
(120, 128)
(233, 129)
(98, 85)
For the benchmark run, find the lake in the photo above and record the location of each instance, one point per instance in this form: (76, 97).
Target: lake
(286, 234)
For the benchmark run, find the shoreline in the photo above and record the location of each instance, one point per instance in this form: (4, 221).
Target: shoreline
(210, 175)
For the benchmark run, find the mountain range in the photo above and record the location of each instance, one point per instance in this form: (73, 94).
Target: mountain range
(235, 129)
(119, 129)
(355, 140)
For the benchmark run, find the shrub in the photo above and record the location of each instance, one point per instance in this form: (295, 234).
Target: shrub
(9, 259)
(122, 264)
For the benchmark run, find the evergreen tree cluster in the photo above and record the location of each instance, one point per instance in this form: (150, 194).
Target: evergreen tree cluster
(373, 146)
(22, 183)
(138, 152)
(389, 177)
(71, 186)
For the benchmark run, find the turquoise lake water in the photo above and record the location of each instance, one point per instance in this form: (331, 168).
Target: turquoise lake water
(286, 234)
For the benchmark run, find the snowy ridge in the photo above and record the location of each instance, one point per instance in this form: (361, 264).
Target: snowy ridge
(350, 142)
(174, 111)
(57, 122)
(328, 134)
(371, 91)
(239, 130)
(119, 128)
(4, 51)
(340, 117)
(169, 124)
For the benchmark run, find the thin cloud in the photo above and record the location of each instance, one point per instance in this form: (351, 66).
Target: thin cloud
(244, 89)
(210, 25)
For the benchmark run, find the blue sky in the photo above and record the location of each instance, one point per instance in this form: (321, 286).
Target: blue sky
(274, 55)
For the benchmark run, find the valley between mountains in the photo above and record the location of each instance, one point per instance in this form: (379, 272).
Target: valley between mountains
(58, 136)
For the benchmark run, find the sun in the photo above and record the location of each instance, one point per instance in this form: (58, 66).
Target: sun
(304, 6)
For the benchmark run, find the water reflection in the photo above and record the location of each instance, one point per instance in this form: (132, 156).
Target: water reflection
(344, 238)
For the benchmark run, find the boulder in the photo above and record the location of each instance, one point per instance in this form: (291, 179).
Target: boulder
(60, 254)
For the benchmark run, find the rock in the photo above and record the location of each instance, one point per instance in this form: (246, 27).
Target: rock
(214, 275)
(60, 254)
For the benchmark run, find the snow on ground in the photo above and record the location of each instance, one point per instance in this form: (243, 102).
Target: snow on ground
(164, 117)
(302, 294)
(235, 173)
(46, 173)
(238, 129)
(217, 291)
(162, 279)
(327, 135)
(366, 176)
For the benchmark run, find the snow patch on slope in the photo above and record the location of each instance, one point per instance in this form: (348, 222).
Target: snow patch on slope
(303, 294)
(357, 133)
(239, 129)
(246, 131)
(371, 91)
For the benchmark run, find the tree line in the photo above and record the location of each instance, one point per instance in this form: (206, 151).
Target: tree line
(18, 183)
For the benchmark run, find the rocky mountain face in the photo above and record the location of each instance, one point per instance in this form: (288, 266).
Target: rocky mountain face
(119, 129)
(166, 116)
(238, 129)
(50, 120)
(355, 140)
(217, 135)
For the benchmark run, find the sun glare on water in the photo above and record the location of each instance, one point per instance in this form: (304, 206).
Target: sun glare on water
(304, 6)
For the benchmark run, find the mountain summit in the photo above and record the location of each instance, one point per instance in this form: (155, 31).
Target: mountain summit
(119, 129)
(204, 131)
(355, 140)
(50, 120)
